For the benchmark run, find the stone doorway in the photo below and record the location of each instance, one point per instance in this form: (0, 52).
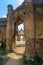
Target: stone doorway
(19, 38)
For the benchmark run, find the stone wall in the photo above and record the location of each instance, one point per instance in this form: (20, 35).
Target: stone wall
(39, 30)
(2, 34)
(34, 45)
(29, 33)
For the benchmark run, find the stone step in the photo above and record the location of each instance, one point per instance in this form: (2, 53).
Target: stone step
(19, 50)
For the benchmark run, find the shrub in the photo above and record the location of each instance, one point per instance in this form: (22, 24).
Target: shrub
(30, 62)
(24, 59)
(3, 46)
(1, 60)
(37, 60)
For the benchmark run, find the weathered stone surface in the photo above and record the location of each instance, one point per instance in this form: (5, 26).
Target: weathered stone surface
(9, 28)
(33, 27)
(39, 46)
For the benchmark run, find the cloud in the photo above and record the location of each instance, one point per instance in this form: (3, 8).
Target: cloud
(20, 1)
(4, 16)
(21, 26)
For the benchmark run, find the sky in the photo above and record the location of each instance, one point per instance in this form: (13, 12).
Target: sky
(15, 3)
(21, 26)
(4, 3)
(3, 8)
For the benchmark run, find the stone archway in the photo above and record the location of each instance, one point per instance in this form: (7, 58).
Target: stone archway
(21, 47)
(19, 32)
(28, 27)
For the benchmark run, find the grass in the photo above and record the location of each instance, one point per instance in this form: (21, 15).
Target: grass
(37, 60)
(2, 53)
(1, 60)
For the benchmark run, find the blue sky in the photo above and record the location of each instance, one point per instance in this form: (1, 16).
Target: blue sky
(4, 3)
(3, 8)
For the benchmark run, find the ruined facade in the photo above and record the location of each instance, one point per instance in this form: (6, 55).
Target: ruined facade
(3, 25)
(31, 14)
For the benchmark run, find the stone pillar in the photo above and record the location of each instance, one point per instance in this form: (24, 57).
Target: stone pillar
(9, 28)
(16, 28)
(13, 26)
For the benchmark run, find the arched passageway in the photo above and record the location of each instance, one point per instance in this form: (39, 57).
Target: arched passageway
(19, 37)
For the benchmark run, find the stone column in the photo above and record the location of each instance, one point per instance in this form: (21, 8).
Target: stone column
(13, 26)
(9, 28)
(16, 28)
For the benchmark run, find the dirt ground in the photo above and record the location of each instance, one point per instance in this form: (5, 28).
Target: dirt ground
(15, 58)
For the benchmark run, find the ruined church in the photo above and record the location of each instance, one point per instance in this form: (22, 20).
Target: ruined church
(31, 14)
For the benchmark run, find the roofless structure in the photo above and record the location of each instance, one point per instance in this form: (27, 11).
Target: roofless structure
(31, 14)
